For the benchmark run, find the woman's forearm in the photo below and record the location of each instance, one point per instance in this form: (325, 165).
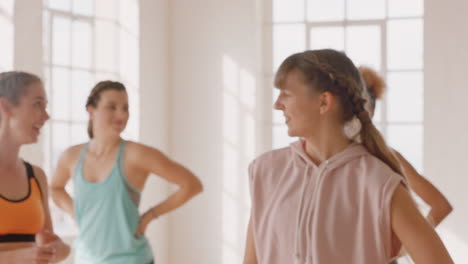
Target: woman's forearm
(180, 197)
(440, 206)
(63, 200)
(438, 214)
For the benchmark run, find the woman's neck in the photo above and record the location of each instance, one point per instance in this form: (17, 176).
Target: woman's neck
(104, 145)
(9, 150)
(326, 144)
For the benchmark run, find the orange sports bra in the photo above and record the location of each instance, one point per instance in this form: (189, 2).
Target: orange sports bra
(22, 219)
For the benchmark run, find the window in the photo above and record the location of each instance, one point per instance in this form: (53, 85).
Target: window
(6, 33)
(386, 35)
(85, 42)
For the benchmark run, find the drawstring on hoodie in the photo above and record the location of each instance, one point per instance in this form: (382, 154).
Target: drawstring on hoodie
(308, 219)
(299, 215)
(308, 222)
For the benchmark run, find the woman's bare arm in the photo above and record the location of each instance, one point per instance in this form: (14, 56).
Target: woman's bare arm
(416, 235)
(440, 206)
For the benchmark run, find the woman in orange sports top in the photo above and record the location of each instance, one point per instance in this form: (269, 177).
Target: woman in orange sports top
(26, 234)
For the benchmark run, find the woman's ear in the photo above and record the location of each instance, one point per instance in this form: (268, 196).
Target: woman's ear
(5, 108)
(327, 100)
(90, 110)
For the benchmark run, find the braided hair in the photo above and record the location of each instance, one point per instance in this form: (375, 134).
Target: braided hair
(332, 71)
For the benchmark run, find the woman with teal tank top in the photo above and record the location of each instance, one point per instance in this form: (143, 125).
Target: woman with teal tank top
(109, 174)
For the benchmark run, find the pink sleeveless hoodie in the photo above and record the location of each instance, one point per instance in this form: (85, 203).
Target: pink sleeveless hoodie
(338, 212)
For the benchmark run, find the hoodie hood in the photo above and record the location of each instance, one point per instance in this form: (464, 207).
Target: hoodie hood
(351, 152)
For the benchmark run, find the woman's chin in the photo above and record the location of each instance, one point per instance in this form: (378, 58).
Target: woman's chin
(31, 140)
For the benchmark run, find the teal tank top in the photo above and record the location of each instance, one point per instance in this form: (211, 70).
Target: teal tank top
(107, 218)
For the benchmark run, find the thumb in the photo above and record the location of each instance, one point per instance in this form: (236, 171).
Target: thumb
(138, 232)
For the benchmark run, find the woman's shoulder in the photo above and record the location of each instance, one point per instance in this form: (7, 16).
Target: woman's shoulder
(70, 155)
(268, 164)
(273, 156)
(140, 152)
(375, 172)
(38, 174)
(137, 147)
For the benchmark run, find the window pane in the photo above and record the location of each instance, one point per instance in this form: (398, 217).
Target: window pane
(6, 44)
(106, 9)
(7, 6)
(377, 112)
(83, 7)
(330, 10)
(288, 10)
(129, 67)
(106, 40)
(280, 136)
(60, 140)
(81, 87)
(402, 8)
(81, 44)
(131, 132)
(46, 40)
(63, 5)
(47, 83)
(287, 39)
(408, 140)
(129, 15)
(405, 97)
(380, 128)
(103, 76)
(327, 37)
(363, 45)
(61, 94)
(405, 44)
(365, 9)
(79, 133)
(61, 40)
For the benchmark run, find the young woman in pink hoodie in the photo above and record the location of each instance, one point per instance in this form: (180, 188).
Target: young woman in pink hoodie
(332, 198)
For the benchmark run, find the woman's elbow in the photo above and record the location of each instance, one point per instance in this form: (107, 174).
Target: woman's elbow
(54, 193)
(196, 186)
(448, 209)
(441, 211)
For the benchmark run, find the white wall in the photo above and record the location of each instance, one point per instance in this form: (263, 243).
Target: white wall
(28, 56)
(214, 63)
(154, 116)
(446, 124)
